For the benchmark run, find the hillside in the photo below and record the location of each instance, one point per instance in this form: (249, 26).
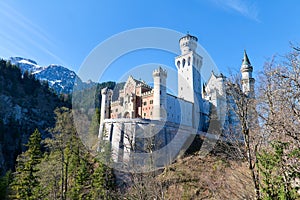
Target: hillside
(211, 177)
(26, 104)
(219, 175)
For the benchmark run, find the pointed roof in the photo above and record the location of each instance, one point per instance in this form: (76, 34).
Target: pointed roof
(246, 60)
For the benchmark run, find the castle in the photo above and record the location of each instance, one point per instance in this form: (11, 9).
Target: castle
(138, 109)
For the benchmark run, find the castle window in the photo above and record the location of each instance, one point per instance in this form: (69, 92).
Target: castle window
(151, 101)
(145, 103)
(178, 64)
(189, 61)
(183, 62)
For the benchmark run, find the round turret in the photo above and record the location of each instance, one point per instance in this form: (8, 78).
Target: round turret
(159, 94)
(104, 91)
(188, 43)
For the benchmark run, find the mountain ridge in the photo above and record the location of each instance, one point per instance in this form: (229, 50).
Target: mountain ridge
(59, 78)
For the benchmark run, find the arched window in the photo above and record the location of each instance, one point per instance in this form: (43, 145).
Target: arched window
(189, 61)
(183, 62)
(178, 64)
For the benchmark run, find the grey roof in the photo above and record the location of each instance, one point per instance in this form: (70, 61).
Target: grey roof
(189, 36)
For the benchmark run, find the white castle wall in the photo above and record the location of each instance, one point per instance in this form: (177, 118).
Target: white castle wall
(179, 111)
(169, 139)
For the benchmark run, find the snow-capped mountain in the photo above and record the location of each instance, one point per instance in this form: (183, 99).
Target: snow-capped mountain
(59, 78)
(25, 64)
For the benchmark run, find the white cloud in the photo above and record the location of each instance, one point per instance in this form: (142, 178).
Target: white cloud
(243, 7)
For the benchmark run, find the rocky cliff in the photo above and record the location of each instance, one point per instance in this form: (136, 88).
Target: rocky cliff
(26, 104)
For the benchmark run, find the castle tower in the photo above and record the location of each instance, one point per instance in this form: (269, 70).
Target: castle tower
(160, 94)
(189, 78)
(247, 79)
(105, 104)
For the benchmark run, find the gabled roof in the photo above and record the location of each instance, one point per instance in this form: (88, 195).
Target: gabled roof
(138, 82)
(213, 75)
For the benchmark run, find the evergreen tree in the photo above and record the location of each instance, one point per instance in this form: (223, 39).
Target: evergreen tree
(81, 179)
(26, 182)
(66, 171)
(73, 176)
(102, 186)
(4, 184)
(94, 127)
(276, 181)
(50, 174)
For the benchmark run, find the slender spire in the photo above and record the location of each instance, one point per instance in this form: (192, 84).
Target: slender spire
(246, 60)
(247, 79)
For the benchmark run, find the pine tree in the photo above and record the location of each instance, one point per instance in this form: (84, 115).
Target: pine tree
(94, 127)
(66, 170)
(102, 182)
(26, 182)
(81, 179)
(50, 176)
(4, 184)
(274, 177)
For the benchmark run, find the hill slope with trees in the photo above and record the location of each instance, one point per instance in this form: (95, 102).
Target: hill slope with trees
(26, 104)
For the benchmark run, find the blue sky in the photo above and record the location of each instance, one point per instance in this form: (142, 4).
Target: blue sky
(65, 32)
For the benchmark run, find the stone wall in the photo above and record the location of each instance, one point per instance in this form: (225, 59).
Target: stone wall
(136, 142)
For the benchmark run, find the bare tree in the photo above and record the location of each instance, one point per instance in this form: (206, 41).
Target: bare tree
(139, 172)
(244, 108)
(279, 112)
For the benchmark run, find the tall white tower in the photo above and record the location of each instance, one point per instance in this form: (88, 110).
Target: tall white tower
(105, 104)
(189, 78)
(247, 79)
(160, 94)
(105, 108)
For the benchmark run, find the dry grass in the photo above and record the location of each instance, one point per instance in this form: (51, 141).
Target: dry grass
(211, 177)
